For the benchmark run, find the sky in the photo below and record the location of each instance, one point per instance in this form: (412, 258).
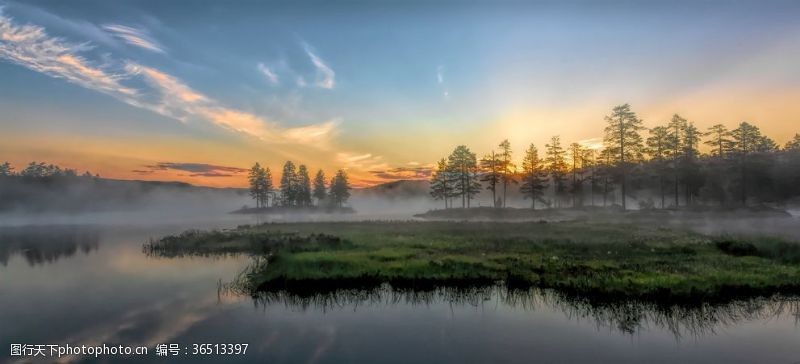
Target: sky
(199, 91)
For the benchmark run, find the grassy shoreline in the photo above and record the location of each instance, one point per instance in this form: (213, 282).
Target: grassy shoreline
(610, 260)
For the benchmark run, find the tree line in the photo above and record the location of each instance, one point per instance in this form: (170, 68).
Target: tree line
(296, 189)
(41, 170)
(660, 167)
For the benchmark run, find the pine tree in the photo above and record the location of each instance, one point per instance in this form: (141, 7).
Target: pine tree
(556, 166)
(534, 176)
(748, 142)
(6, 169)
(720, 140)
(491, 167)
(690, 169)
(255, 178)
(320, 192)
(792, 145)
(657, 145)
(590, 164)
(623, 142)
(464, 166)
(303, 187)
(507, 168)
(266, 187)
(674, 150)
(288, 185)
(340, 189)
(577, 155)
(606, 171)
(440, 182)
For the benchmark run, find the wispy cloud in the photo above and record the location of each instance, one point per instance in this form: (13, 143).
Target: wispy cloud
(362, 161)
(135, 37)
(326, 78)
(268, 73)
(318, 134)
(592, 143)
(30, 46)
(179, 101)
(350, 158)
(440, 81)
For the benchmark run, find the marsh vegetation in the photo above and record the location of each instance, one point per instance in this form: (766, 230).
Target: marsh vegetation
(583, 258)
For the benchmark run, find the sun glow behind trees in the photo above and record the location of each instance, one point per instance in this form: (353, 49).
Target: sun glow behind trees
(742, 163)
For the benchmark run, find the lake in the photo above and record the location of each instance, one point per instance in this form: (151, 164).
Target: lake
(92, 284)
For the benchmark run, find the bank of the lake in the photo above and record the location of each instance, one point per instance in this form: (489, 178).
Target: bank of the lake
(609, 260)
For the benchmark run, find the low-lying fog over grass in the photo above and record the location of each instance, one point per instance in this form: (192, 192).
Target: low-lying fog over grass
(144, 203)
(67, 198)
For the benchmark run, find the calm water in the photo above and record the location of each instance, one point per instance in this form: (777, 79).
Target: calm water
(92, 284)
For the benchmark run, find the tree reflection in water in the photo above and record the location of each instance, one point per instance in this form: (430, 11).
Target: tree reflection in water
(624, 316)
(44, 245)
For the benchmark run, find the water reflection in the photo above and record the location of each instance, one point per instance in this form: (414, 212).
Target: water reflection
(39, 246)
(624, 316)
(694, 320)
(118, 295)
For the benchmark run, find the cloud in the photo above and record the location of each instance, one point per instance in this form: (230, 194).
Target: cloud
(404, 173)
(592, 143)
(196, 169)
(135, 37)
(318, 134)
(362, 162)
(321, 76)
(350, 158)
(268, 73)
(30, 46)
(440, 81)
(326, 78)
(175, 99)
(210, 174)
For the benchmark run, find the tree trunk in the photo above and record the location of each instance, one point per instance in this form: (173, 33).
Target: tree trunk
(623, 190)
(463, 191)
(505, 184)
(744, 184)
(676, 185)
(687, 198)
(494, 195)
(622, 162)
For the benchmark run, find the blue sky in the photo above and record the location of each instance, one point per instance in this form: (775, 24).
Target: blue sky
(373, 86)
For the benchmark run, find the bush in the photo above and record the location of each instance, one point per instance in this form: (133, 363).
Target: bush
(737, 248)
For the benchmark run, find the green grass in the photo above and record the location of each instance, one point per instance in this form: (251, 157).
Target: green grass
(584, 258)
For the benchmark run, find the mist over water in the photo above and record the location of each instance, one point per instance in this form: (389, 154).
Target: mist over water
(156, 205)
(206, 208)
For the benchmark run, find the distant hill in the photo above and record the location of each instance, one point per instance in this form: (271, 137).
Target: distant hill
(70, 193)
(401, 189)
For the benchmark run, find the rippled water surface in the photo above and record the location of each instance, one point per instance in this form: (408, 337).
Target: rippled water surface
(88, 285)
